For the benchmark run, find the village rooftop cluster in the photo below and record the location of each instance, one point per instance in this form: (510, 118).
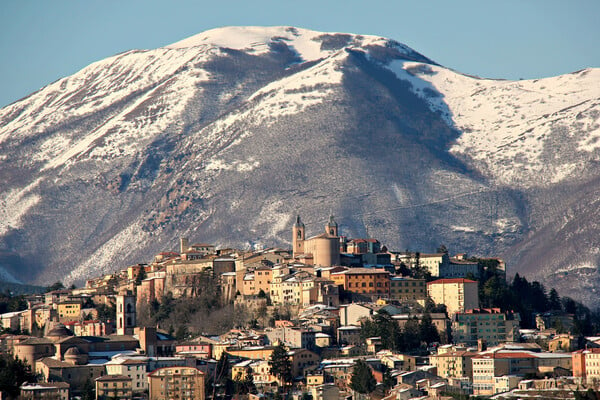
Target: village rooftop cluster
(332, 318)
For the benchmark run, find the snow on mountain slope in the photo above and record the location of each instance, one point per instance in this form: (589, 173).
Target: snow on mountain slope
(309, 45)
(226, 135)
(511, 128)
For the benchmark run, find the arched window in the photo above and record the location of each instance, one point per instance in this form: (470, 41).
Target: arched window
(128, 307)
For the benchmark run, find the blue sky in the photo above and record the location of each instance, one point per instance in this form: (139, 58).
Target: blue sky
(42, 41)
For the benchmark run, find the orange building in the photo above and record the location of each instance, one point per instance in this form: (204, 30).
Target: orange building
(151, 289)
(586, 364)
(369, 281)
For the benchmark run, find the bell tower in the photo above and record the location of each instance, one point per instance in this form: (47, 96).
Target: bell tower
(332, 227)
(298, 237)
(126, 313)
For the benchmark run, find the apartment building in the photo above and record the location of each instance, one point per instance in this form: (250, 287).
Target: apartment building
(185, 383)
(489, 324)
(373, 282)
(453, 364)
(458, 294)
(404, 288)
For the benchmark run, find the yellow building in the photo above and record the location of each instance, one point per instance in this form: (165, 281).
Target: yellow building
(185, 383)
(113, 387)
(562, 342)
(453, 364)
(253, 353)
(458, 294)
(261, 373)
(68, 311)
(431, 262)
(240, 370)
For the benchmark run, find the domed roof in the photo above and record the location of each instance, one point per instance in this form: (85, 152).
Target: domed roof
(72, 352)
(60, 330)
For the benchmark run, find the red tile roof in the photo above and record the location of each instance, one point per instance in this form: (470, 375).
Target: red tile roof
(451, 280)
(514, 354)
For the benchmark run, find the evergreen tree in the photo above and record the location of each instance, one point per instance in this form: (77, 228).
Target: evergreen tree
(222, 384)
(280, 364)
(13, 373)
(362, 380)
(554, 300)
(427, 331)
(388, 380)
(382, 326)
(244, 385)
(88, 391)
(410, 335)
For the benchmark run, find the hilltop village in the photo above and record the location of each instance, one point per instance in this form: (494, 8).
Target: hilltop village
(332, 318)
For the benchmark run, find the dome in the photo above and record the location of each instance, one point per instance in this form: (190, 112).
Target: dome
(60, 330)
(72, 351)
(74, 356)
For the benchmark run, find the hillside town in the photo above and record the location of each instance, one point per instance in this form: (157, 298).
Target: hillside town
(331, 318)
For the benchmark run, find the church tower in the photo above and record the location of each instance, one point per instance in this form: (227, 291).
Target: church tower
(298, 237)
(332, 227)
(125, 313)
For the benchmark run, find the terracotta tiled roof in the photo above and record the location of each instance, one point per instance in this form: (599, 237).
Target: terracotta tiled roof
(450, 280)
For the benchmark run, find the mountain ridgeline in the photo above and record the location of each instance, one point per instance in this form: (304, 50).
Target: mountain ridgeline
(226, 135)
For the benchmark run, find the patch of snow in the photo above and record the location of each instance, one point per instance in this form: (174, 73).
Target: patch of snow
(15, 204)
(275, 216)
(256, 40)
(402, 195)
(585, 267)
(508, 125)
(118, 246)
(287, 96)
(297, 92)
(239, 166)
(463, 229)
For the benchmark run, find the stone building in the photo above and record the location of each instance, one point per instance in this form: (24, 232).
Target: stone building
(322, 250)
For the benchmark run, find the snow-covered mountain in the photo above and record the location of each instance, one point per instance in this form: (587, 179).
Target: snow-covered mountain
(226, 135)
